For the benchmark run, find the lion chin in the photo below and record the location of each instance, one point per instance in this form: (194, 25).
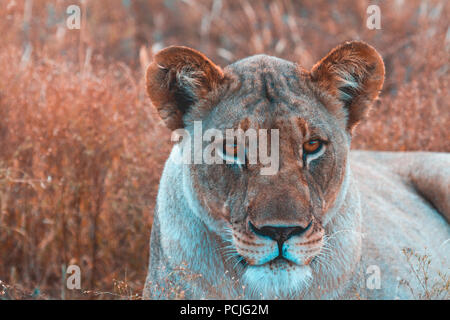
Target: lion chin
(277, 279)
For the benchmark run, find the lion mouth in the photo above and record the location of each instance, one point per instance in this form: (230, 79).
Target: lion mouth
(280, 261)
(285, 253)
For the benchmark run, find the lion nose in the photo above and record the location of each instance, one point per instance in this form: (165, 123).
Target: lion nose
(280, 234)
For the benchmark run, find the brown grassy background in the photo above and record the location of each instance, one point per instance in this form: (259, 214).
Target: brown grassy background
(81, 149)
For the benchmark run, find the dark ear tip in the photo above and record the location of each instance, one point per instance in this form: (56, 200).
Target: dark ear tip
(368, 52)
(176, 78)
(357, 45)
(167, 58)
(357, 51)
(175, 51)
(353, 72)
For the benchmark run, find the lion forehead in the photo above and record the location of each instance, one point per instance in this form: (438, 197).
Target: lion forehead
(267, 76)
(264, 89)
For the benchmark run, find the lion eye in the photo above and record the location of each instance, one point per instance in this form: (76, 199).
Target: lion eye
(230, 153)
(312, 146)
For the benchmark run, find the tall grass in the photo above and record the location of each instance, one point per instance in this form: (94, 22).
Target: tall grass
(81, 148)
(81, 154)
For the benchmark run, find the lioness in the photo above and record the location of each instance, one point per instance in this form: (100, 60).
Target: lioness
(330, 223)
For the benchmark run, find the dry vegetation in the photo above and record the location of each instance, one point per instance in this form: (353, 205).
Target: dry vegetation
(82, 149)
(428, 288)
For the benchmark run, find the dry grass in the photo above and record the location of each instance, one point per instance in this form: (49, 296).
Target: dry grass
(82, 149)
(428, 288)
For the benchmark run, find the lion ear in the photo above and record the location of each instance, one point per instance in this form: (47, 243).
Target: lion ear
(352, 74)
(177, 78)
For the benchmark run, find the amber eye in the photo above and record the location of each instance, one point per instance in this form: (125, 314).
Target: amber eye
(231, 154)
(230, 150)
(312, 146)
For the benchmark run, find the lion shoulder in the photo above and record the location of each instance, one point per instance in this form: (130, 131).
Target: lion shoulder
(426, 175)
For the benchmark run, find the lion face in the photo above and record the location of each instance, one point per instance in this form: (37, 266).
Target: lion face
(276, 221)
(273, 226)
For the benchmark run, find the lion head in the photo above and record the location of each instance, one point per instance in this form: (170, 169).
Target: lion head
(274, 226)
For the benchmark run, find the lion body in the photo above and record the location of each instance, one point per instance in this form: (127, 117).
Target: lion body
(386, 213)
(326, 222)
